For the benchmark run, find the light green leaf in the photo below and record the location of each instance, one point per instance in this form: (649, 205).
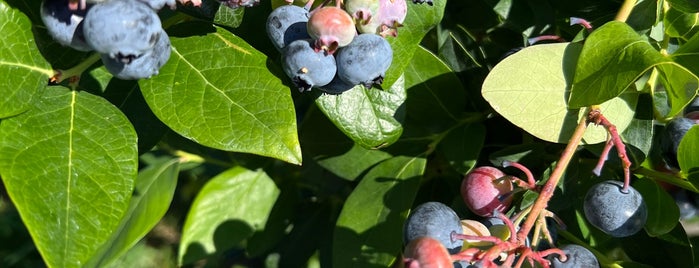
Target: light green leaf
(217, 90)
(687, 155)
(680, 85)
(680, 24)
(25, 72)
(228, 210)
(613, 57)
(155, 187)
(421, 18)
(370, 117)
(687, 55)
(534, 98)
(69, 165)
(368, 232)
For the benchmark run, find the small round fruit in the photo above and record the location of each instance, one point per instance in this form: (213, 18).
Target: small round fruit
(287, 24)
(435, 220)
(331, 27)
(307, 67)
(365, 60)
(362, 11)
(63, 24)
(145, 66)
(576, 257)
(670, 139)
(486, 190)
(336, 86)
(613, 211)
(122, 29)
(426, 252)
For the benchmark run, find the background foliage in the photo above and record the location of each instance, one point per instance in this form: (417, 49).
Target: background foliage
(217, 162)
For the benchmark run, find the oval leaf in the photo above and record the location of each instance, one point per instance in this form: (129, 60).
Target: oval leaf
(229, 209)
(368, 232)
(238, 105)
(421, 18)
(155, 187)
(69, 165)
(534, 98)
(613, 57)
(663, 213)
(370, 117)
(22, 67)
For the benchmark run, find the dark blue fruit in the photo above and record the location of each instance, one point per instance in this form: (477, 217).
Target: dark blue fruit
(144, 66)
(63, 24)
(692, 106)
(577, 257)
(306, 67)
(435, 220)
(122, 29)
(287, 24)
(365, 60)
(670, 139)
(614, 211)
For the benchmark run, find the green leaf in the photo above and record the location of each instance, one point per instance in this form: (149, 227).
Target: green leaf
(663, 213)
(421, 18)
(613, 57)
(24, 70)
(689, 6)
(368, 232)
(462, 145)
(68, 165)
(217, 90)
(227, 210)
(155, 187)
(436, 97)
(354, 162)
(687, 155)
(680, 85)
(687, 55)
(534, 98)
(370, 117)
(679, 24)
(229, 16)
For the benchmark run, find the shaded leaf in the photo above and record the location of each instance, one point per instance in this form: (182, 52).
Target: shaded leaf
(613, 57)
(687, 55)
(680, 84)
(23, 68)
(462, 145)
(663, 213)
(226, 211)
(689, 6)
(436, 96)
(370, 117)
(217, 91)
(680, 24)
(69, 165)
(369, 230)
(155, 187)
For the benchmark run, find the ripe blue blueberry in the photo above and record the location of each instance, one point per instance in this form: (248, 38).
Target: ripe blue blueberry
(670, 139)
(365, 60)
(144, 66)
(576, 257)
(307, 67)
(122, 29)
(435, 220)
(63, 24)
(287, 24)
(615, 212)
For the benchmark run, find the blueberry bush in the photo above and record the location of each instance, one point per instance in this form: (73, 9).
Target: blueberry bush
(246, 133)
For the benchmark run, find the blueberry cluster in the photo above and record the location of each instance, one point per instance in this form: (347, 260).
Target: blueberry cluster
(127, 33)
(336, 48)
